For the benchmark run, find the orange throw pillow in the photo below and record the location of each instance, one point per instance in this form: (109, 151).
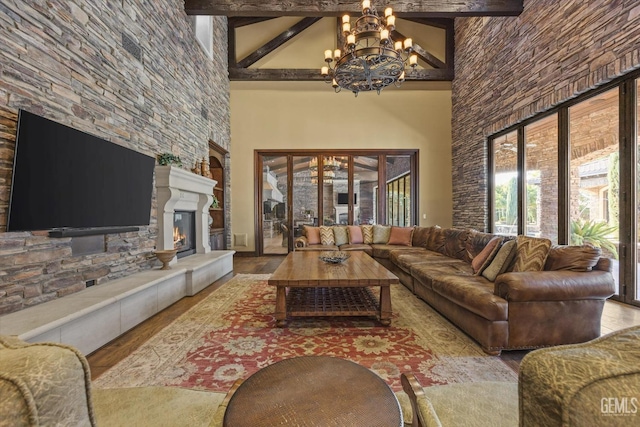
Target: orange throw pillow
(355, 234)
(400, 236)
(313, 235)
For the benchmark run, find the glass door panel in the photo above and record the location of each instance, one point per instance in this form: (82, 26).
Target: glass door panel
(335, 190)
(398, 192)
(541, 153)
(305, 193)
(594, 174)
(365, 185)
(274, 221)
(505, 178)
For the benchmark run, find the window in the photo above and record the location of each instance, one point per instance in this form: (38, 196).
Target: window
(204, 33)
(580, 184)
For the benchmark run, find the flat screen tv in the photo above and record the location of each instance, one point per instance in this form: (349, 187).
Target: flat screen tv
(64, 178)
(343, 199)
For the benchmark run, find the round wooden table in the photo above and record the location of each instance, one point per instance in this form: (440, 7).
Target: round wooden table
(313, 391)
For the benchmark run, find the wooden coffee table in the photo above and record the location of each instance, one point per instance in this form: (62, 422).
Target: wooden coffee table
(313, 391)
(307, 286)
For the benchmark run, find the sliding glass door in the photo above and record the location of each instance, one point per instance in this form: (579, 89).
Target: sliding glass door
(340, 187)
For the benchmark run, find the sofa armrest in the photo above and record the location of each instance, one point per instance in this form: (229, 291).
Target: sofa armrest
(300, 242)
(554, 285)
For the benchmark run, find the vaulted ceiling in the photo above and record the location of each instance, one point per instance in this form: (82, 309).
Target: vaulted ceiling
(431, 13)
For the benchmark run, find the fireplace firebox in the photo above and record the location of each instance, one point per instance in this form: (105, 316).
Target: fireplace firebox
(184, 233)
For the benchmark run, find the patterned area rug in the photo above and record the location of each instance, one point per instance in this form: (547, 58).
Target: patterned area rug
(232, 334)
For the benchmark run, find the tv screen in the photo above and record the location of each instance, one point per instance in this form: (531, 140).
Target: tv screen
(343, 199)
(65, 178)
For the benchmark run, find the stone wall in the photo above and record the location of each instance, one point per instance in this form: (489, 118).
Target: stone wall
(509, 69)
(66, 60)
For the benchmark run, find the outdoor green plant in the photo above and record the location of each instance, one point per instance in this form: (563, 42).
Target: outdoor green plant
(594, 233)
(166, 159)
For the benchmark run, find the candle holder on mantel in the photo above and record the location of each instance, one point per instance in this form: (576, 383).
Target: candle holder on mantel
(165, 257)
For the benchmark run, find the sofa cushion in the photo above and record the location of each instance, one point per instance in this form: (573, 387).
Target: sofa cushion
(355, 234)
(384, 251)
(326, 235)
(367, 234)
(574, 258)
(400, 236)
(423, 236)
(474, 293)
(452, 242)
(341, 235)
(477, 241)
(486, 255)
(405, 259)
(425, 273)
(312, 234)
(501, 261)
(318, 248)
(531, 253)
(381, 234)
(357, 247)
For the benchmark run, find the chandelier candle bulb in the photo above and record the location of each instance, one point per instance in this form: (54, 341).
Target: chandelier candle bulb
(336, 54)
(398, 46)
(391, 21)
(324, 71)
(346, 27)
(346, 19)
(384, 36)
(388, 12)
(366, 5)
(408, 43)
(413, 60)
(327, 55)
(351, 39)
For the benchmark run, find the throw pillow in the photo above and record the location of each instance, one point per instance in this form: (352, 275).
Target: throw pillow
(367, 234)
(340, 235)
(381, 234)
(326, 235)
(501, 261)
(531, 253)
(486, 255)
(355, 234)
(574, 258)
(313, 235)
(400, 236)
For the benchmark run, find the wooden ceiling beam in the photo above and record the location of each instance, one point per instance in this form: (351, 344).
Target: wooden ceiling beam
(277, 41)
(402, 8)
(313, 74)
(241, 21)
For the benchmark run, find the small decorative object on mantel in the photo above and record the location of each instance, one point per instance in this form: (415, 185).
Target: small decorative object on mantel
(196, 169)
(204, 168)
(165, 257)
(167, 159)
(215, 203)
(333, 257)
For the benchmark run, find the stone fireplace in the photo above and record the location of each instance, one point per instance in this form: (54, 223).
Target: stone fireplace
(183, 194)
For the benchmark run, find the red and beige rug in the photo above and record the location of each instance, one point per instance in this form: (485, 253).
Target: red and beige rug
(232, 334)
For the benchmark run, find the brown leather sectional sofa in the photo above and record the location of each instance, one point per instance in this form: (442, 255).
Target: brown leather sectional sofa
(561, 304)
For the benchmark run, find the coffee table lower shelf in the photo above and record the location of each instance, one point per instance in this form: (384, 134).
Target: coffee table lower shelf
(332, 302)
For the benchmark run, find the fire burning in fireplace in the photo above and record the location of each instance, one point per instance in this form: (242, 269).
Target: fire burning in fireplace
(184, 233)
(179, 238)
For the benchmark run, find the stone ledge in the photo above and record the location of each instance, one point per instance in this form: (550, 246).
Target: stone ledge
(91, 318)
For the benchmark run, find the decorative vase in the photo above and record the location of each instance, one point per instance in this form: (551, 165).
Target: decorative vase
(165, 257)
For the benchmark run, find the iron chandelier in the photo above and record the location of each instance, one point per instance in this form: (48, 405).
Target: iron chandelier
(370, 59)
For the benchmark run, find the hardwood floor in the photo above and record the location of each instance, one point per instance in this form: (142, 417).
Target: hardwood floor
(616, 316)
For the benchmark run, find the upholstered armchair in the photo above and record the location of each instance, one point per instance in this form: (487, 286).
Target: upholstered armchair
(596, 383)
(50, 384)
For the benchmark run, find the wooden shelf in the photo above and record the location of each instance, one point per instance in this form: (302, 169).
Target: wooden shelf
(215, 209)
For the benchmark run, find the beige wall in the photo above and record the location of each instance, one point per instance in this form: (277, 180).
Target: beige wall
(298, 115)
